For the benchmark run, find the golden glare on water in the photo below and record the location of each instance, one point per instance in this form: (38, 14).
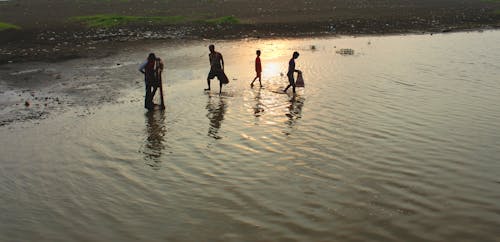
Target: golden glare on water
(274, 55)
(272, 68)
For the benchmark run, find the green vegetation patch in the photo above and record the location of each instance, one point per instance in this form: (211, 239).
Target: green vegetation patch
(491, 1)
(5, 26)
(497, 11)
(223, 20)
(110, 20)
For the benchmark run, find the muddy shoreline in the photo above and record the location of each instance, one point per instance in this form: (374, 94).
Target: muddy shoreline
(56, 45)
(52, 38)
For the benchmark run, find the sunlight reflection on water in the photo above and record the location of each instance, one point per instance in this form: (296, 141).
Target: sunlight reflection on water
(395, 142)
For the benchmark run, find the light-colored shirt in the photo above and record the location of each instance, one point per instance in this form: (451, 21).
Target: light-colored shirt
(142, 67)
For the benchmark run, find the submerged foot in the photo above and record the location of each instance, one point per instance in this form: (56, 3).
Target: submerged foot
(207, 89)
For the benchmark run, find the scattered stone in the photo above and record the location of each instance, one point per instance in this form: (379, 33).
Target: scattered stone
(26, 103)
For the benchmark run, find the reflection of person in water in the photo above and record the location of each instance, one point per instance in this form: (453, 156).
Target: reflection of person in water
(294, 110)
(156, 130)
(258, 109)
(216, 109)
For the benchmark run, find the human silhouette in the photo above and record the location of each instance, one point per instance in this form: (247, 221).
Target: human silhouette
(258, 69)
(216, 68)
(291, 71)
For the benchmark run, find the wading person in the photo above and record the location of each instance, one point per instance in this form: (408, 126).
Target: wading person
(291, 70)
(151, 68)
(216, 68)
(258, 69)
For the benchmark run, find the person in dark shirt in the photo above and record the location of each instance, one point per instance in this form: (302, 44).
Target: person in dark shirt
(291, 70)
(150, 68)
(216, 68)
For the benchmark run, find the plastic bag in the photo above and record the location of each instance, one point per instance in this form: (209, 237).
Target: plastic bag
(300, 81)
(223, 78)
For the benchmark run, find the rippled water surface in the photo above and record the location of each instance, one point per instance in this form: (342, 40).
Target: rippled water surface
(398, 142)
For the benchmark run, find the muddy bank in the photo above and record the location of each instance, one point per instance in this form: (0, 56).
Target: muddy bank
(57, 45)
(52, 37)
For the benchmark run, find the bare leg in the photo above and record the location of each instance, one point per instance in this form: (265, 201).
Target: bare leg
(220, 87)
(251, 84)
(208, 83)
(260, 81)
(289, 85)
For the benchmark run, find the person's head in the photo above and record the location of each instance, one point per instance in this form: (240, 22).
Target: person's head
(258, 52)
(295, 55)
(151, 57)
(211, 48)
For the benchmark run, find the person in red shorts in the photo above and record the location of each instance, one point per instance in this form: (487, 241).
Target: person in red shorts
(258, 69)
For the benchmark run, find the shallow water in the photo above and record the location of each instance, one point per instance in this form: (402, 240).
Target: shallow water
(398, 142)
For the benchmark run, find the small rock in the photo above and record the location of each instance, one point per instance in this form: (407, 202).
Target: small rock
(27, 104)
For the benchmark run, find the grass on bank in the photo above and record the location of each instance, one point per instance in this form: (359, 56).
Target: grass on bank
(5, 26)
(112, 20)
(223, 20)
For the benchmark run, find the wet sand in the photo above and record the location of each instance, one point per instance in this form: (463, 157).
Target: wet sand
(47, 35)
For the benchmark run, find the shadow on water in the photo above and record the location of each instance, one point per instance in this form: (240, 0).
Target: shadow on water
(294, 111)
(258, 108)
(216, 107)
(154, 143)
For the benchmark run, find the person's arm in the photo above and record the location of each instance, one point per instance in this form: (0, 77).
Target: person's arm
(142, 67)
(296, 70)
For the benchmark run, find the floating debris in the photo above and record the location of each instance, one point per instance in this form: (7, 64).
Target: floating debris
(345, 51)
